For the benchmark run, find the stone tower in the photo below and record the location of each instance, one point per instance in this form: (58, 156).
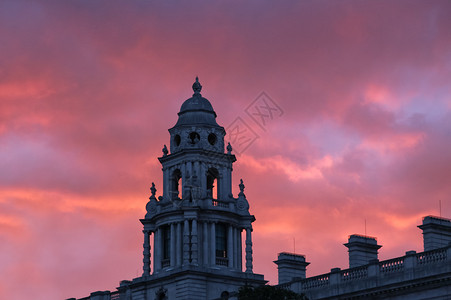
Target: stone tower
(196, 224)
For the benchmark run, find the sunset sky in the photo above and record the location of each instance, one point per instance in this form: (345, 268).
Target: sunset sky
(88, 89)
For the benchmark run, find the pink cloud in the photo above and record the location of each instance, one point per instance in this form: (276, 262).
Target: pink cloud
(88, 90)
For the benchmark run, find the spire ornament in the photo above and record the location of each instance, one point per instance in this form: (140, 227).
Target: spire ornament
(197, 87)
(229, 148)
(242, 204)
(151, 206)
(241, 185)
(165, 150)
(153, 190)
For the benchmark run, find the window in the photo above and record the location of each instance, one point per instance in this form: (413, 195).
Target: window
(194, 138)
(221, 240)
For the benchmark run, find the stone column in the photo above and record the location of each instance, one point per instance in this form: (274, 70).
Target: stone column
(170, 183)
(202, 176)
(249, 250)
(154, 250)
(229, 179)
(186, 242)
(146, 253)
(230, 246)
(194, 243)
(178, 243)
(220, 185)
(183, 182)
(205, 244)
(173, 246)
(240, 250)
(213, 244)
(235, 248)
(196, 170)
(157, 252)
(189, 168)
(166, 184)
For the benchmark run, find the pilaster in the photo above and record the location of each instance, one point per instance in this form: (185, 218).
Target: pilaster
(179, 244)
(213, 244)
(205, 244)
(173, 246)
(194, 243)
(249, 267)
(186, 242)
(230, 246)
(146, 253)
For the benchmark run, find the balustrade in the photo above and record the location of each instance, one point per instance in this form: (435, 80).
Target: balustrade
(432, 256)
(355, 273)
(392, 265)
(315, 282)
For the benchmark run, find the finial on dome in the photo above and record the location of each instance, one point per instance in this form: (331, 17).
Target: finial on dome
(197, 87)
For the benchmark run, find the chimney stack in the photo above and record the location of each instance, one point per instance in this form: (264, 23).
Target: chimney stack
(436, 232)
(290, 266)
(362, 250)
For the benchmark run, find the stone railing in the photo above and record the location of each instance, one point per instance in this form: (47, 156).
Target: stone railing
(316, 282)
(221, 204)
(354, 273)
(285, 286)
(222, 261)
(391, 265)
(384, 270)
(432, 256)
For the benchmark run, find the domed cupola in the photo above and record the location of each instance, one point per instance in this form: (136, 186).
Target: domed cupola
(197, 110)
(196, 126)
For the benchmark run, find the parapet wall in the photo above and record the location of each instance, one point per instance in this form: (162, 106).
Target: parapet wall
(377, 276)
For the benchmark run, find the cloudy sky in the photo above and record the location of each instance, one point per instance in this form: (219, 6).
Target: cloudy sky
(88, 90)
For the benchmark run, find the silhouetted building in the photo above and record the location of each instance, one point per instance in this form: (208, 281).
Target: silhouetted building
(425, 275)
(197, 227)
(196, 224)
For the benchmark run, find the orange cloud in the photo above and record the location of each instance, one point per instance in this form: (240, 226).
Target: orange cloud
(293, 171)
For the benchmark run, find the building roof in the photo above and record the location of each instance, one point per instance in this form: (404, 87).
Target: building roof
(197, 109)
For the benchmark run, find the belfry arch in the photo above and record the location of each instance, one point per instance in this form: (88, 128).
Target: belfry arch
(213, 183)
(176, 184)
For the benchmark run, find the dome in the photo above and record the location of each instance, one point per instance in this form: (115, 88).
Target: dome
(197, 109)
(197, 103)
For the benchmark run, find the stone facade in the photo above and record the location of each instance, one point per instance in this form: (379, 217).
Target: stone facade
(425, 275)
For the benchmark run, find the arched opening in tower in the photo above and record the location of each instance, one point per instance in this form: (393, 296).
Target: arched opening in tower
(212, 183)
(176, 191)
